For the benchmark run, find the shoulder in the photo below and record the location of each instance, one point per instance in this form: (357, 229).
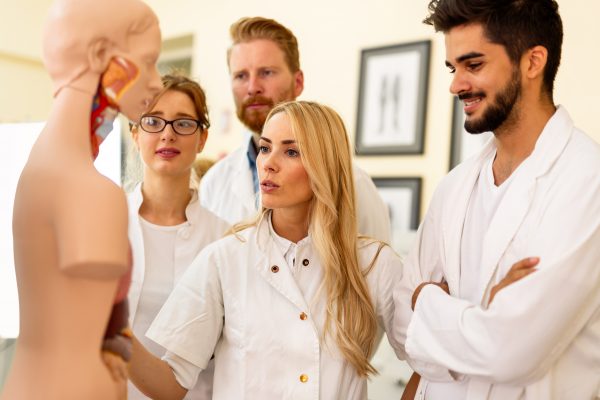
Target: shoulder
(210, 220)
(377, 255)
(361, 178)
(93, 195)
(231, 245)
(383, 269)
(586, 150)
(221, 167)
(216, 184)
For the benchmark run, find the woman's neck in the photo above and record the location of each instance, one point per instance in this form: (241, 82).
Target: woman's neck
(165, 199)
(291, 224)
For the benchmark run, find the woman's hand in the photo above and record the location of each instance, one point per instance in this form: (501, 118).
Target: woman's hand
(518, 271)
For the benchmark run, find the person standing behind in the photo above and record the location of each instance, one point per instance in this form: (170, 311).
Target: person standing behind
(264, 66)
(167, 225)
(533, 192)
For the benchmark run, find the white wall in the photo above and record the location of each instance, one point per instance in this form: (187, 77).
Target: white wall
(331, 34)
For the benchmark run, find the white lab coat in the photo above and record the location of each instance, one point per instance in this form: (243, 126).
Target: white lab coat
(202, 227)
(540, 337)
(227, 190)
(232, 302)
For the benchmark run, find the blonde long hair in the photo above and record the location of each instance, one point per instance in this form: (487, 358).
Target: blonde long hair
(325, 151)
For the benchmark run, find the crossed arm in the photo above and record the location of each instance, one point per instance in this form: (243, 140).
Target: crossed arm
(518, 271)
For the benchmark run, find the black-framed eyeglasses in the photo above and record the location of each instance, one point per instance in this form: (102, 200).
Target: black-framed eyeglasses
(181, 126)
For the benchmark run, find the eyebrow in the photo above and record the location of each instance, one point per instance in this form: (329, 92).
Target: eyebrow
(177, 115)
(287, 141)
(465, 57)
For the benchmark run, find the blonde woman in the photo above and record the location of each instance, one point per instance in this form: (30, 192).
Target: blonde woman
(167, 225)
(290, 303)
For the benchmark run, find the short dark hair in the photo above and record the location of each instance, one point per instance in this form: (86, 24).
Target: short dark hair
(517, 25)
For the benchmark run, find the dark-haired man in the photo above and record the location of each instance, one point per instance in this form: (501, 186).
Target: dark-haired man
(508, 329)
(264, 67)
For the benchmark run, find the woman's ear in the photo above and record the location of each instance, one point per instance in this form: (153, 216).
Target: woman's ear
(134, 129)
(99, 55)
(202, 141)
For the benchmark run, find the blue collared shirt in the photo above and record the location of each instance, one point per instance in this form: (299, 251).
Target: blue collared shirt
(252, 153)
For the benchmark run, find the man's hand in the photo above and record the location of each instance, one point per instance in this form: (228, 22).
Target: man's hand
(417, 291)
(118, 371)
(518, 271)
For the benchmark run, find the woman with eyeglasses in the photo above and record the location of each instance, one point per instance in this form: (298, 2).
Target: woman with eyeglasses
(167, 225)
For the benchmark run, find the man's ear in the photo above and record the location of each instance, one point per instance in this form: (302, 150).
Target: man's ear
(536, 59)
(99, 55)
(298, 83)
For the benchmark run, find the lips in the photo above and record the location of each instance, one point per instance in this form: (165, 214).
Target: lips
(167, 152)
(471, 101)
(267, 186)
(256, 105)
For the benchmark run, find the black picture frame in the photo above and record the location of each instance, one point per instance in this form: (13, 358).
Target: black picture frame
(392, 99)
(463, 144)
(402, 195)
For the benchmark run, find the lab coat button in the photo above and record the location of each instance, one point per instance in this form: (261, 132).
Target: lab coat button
(303, 316)
(274, 269)
(305, 262)
(303, 378)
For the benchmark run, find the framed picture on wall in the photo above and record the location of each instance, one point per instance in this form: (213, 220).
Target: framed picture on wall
(392, 99)
(463, 144)
(403, 198)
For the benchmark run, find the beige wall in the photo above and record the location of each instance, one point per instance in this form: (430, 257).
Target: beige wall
(331, 34)
(26, 89)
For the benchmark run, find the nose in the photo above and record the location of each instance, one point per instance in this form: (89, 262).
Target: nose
(459, 83)
(254, 85)
(168, 134)
(267, 162)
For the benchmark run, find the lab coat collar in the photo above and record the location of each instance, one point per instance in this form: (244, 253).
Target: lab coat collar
(270, 255)
(514, 206)
(284, 244)
(135, 199)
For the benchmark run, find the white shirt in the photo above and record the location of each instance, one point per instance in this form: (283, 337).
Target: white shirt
(159, 264)
(539, 339)
(241, 301)
(483, 204)
(227, 190)
(159, 249)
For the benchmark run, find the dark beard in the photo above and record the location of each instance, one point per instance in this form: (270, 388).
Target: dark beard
(499, 111)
